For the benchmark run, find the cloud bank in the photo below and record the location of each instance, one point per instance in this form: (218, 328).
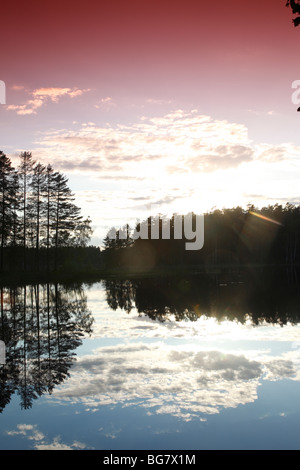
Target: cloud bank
(184, 381)
(179, 142)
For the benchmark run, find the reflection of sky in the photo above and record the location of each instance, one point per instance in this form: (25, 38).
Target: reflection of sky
(139, 383)
(189, 381)
(188, 370)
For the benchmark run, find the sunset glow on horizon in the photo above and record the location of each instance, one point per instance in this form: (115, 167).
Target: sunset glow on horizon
(173, 106)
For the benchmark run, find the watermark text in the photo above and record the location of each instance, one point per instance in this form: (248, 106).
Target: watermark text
(190, 227)
(2, 352)
(2, 92)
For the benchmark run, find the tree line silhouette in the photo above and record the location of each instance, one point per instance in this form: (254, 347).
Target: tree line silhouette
(42, 231)
(39, 220)
(269, 296)
(233, 239)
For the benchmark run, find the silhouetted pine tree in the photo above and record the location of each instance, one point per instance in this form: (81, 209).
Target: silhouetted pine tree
(37, 205)
(67, 214)
(8, 198)
(25, 172)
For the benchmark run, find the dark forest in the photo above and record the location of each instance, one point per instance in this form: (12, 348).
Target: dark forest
(233, 239)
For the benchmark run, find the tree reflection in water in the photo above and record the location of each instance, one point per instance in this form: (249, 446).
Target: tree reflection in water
(41, 325)
(264, 296)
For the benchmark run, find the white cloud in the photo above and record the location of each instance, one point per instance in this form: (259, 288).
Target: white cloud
(28, 430)
(183, 143)
(40, 96)
(31, 432)
(17, 87)
(106, 103)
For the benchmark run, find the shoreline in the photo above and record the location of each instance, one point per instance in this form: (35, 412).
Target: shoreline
(18, 278)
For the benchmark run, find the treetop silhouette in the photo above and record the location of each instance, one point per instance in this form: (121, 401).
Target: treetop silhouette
(295, 6)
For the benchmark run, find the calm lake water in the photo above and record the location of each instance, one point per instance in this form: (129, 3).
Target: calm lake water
(200, 363)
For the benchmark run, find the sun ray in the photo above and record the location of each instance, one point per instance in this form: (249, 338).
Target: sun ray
(268, 219)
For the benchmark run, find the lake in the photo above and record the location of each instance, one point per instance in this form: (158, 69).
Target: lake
(202, 362)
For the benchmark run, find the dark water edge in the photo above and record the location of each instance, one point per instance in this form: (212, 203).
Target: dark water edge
(229, 272)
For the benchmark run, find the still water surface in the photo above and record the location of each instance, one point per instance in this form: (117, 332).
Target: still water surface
(151, 364)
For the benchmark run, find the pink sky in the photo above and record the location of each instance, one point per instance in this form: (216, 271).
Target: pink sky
(78, 74)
